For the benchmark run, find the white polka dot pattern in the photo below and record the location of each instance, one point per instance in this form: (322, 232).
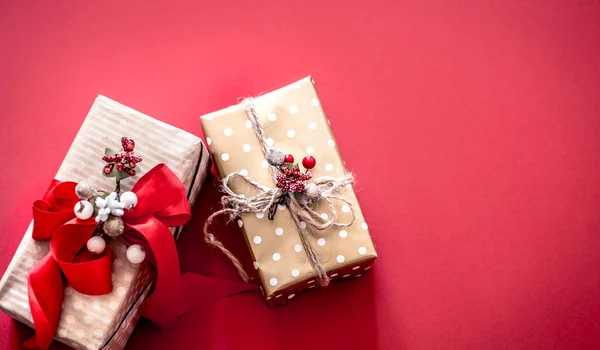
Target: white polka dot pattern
(82, 315)
(296, 124)
(128, 277)
(122, 334)
(88, 319)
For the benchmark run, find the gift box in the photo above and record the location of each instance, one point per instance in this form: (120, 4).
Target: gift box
(106, 321)
(291, 123)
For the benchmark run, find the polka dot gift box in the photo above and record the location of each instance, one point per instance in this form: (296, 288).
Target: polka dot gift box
(288, 189)
(106, 321)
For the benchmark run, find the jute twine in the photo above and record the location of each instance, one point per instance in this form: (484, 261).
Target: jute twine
(308, 222)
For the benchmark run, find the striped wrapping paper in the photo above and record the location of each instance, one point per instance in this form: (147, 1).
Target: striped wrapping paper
(106, 322)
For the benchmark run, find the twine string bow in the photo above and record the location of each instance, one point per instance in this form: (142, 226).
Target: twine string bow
(307, 220)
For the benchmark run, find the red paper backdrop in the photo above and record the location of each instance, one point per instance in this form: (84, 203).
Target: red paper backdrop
(473, 128)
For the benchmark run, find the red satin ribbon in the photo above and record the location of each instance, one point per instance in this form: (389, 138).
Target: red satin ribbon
(162, 203)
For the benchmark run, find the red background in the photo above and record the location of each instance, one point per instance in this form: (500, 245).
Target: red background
(473, 128)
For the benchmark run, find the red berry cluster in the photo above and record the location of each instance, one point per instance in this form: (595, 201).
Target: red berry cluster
(292, 179)
(126, 160)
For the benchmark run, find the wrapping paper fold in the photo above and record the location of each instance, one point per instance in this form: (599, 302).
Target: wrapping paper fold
(106, 322)
(294, 121)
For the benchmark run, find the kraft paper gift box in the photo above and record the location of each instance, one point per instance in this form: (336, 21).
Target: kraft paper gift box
(107, 321)
(293, 121)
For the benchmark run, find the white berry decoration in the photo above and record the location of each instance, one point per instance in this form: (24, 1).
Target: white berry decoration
(136, 254)
(114, 226)
(84, 190)
(96, 245)
(108, 206)
(103, 212)
(83, 210)
(112, 202)
(128, 199)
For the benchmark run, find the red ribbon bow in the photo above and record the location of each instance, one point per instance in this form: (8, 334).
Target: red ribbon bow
(162, 203)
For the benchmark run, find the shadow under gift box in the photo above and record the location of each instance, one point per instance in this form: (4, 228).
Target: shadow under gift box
(294, 122)
(107, 321)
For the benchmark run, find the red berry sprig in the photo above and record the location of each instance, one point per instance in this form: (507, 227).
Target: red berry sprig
(292, 179)
(125, 160)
